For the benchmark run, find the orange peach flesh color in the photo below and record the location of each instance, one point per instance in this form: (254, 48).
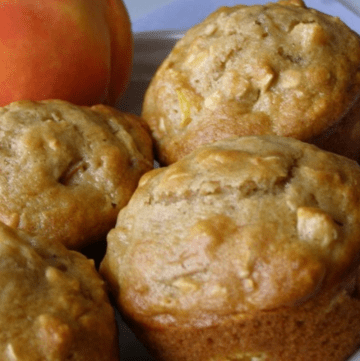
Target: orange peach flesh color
(78, 51)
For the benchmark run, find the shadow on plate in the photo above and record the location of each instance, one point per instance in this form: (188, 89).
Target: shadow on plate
(150, 49)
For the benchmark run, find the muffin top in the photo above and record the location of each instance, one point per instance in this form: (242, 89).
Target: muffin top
(66, 170)
(279, 68)
(239, 225)
(53, 303)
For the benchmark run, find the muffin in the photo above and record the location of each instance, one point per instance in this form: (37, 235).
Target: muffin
(67, 170)
(281, 69)
(245, 249)
(53, 303)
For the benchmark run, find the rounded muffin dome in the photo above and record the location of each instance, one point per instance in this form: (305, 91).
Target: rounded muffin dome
(280, 68)
(68, 170)
(54, 305)
(234, 239)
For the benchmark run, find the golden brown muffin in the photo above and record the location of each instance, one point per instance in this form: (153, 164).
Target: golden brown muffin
(280, 68)
(53, 303)
(246, 249)
(66, 170)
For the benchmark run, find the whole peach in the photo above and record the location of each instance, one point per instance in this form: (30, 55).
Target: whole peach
(76, 50)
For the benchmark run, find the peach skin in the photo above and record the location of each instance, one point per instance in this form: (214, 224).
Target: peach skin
(75, 50)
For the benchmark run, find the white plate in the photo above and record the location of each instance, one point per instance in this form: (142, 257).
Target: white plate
(149, 51)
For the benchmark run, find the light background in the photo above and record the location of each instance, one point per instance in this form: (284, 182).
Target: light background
(147, 15)
(139, 8)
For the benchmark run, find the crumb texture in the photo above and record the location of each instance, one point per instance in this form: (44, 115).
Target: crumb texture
(243, 250)
(251, 223)
(53, 303)
(280, 68)
(61, 162)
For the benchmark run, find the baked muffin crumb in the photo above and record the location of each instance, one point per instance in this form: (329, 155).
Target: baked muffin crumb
(250, 242)
(280, 68)
(68, 170)
(54, 305)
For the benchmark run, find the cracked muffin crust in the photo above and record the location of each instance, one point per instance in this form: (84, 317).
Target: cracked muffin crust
(66, 170)
(247, 247)
(280, 68)
(53, 303)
